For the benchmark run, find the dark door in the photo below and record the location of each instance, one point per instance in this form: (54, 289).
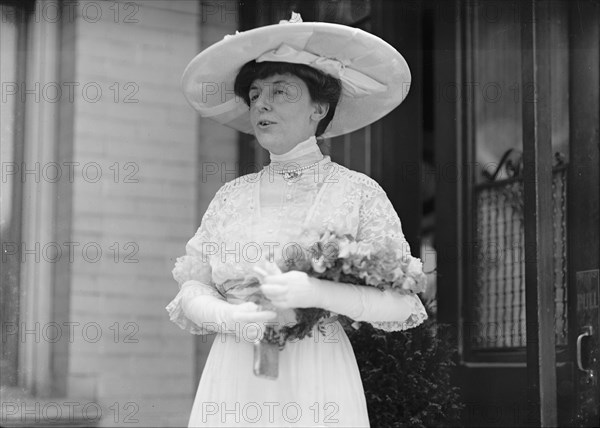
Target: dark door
(483, 108)
(584, 240)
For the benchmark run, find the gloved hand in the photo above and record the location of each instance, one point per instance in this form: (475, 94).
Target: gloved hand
(245, 320)
(296, 289)
(293, 289)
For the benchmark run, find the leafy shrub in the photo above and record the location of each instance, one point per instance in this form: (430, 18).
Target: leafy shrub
(406, 375)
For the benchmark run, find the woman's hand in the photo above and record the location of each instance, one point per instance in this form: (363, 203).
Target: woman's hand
(293, 289)
(252, 320)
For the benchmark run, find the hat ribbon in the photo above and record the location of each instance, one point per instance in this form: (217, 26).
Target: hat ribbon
(354, 83)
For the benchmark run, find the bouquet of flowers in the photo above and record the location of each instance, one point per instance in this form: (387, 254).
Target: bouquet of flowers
(382, 264)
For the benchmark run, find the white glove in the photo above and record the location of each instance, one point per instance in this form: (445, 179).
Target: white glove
(245, 320)
(296, 289)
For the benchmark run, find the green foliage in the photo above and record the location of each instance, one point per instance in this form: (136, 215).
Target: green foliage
(406, 376)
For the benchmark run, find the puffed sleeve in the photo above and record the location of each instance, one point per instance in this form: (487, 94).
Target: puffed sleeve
(379, 219)
(192, 271)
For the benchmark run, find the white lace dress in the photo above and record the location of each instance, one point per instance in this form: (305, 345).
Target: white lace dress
(262, 216)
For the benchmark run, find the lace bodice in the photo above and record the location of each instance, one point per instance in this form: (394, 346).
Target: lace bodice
(263, 216)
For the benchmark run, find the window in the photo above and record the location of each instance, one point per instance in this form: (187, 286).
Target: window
(495, 297)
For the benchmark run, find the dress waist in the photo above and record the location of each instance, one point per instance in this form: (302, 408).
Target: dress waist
(237, 291)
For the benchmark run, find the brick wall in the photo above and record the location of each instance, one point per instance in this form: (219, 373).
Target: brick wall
(147, 203)
(218, 144)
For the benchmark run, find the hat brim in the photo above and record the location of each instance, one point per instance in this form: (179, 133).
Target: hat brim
(208, 80)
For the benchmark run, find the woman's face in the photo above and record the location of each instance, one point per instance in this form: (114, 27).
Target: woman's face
(282, 112)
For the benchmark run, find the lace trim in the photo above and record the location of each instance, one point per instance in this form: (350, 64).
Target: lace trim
(188, 268)
(224, 192)
(416, 318)
(239, 182)
(413, 321)
(358, 178)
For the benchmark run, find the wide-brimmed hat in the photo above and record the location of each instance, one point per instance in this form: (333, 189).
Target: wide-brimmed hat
(375, 77)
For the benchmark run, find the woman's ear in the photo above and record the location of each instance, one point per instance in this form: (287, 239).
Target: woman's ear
(320, 111)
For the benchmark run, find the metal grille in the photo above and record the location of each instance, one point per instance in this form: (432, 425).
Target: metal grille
(498, 295)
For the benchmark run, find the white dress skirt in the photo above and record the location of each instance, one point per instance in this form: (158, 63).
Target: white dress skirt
(319, 384)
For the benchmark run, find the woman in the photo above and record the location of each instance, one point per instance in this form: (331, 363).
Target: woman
(289, 90)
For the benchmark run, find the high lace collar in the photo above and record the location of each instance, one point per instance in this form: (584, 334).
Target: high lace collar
(304, 153)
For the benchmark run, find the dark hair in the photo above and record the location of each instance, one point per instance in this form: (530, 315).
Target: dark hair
(322, 87)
